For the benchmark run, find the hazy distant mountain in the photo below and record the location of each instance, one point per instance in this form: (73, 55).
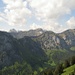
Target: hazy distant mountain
(21, 34)
(13, 31)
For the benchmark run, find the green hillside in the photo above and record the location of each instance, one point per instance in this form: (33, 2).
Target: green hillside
(69, 70)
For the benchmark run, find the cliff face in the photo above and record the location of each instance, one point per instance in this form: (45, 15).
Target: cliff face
(50, 40)
(69, 37)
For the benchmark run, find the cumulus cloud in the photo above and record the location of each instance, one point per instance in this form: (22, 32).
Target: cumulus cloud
(71, 23)
(53, 26)
(15, 12)
(1, 19)
(51, 9)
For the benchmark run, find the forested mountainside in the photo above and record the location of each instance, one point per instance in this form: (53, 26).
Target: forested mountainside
(38, 49)
(65, 68)
(12, 50)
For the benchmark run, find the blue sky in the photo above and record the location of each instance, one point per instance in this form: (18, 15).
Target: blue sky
(1, 3)
(65, 18)
(55, 15)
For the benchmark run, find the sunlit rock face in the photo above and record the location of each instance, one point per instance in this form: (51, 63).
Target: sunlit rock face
(49, 40)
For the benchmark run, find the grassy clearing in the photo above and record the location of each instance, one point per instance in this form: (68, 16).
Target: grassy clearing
(68, 70)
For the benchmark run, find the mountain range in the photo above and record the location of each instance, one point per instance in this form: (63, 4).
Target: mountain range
(36, 47)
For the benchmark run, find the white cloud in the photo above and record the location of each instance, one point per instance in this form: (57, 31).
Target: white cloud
(15, 12)
(71, 23)
(51, 9)
(51, 25)
(35, 26)
(1, 19)
(2, 29)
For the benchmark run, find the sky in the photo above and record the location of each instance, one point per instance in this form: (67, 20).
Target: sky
(53, 15)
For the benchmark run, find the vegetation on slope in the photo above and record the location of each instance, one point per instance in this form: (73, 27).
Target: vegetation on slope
(66, 68)
(69, 71)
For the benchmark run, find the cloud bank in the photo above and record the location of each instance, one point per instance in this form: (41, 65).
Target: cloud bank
(17, 12)
(50, 12)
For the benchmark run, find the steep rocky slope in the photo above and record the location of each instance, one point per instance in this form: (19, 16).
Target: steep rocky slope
(49, 40)
(56, 47)
(69, 37)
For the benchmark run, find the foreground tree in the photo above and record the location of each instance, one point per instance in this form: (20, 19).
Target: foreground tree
(58, 70)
